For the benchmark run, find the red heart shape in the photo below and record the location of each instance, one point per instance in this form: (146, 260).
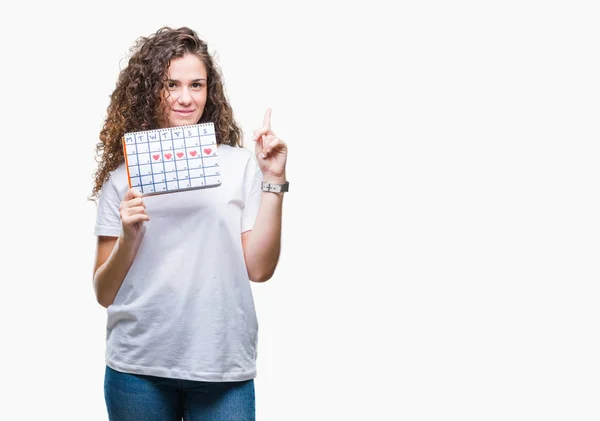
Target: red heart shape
(193, 153)
(168, 155)
(207, 151)
(179, 154)
(156, 157)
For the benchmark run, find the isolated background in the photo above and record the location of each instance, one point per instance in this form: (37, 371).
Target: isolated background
(441, 236)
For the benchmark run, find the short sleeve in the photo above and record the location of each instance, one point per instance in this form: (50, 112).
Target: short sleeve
(108, 220)
(252, 193)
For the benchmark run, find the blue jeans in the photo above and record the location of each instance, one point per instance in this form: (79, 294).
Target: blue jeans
(132, 397)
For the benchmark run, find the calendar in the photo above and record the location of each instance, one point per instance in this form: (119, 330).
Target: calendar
(172, 159)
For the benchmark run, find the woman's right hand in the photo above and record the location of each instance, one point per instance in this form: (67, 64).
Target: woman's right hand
(133, 214)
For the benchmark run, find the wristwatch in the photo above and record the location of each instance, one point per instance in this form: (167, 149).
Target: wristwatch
(275, 188)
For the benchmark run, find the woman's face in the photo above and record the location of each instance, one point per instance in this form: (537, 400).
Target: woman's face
(186, 90)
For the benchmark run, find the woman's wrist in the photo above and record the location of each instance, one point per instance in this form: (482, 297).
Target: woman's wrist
(274, 179)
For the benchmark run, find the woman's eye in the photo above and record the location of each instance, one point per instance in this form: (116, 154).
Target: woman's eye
(171, 85)
(197, 85)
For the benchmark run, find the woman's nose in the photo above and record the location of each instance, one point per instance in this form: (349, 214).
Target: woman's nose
(185, 97)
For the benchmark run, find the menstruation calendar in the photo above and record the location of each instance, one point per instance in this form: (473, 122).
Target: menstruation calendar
(172, 159)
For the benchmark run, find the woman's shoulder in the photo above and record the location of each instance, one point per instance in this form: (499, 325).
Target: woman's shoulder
(240, 159)
(119, 172)
(118, 178)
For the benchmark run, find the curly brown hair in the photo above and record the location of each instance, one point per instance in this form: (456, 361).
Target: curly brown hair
(136, 103)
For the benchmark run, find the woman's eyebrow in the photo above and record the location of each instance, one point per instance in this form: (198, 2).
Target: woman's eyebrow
(192, 81)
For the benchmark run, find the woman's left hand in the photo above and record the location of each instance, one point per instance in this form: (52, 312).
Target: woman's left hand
(271, 152)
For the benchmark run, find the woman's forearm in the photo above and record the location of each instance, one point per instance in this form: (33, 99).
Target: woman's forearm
(110, 275)
(264, 243)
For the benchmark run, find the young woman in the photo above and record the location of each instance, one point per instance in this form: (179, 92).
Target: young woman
(173, 270)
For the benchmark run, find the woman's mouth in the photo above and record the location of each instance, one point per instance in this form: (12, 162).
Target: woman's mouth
(184, 112)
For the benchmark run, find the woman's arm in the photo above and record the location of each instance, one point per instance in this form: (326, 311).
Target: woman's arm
(114, 255)
(113, 259)
(262, 244)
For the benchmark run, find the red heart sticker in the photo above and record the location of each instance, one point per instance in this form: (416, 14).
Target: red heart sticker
(179, 154)
(156, 157)
(193, 153)
(207, 151)
(168, 155)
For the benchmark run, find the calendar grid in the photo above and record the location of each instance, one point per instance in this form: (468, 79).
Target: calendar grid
(202, 156)
(187, 161)
(163, 161)
(173, 144)
(159, 164)
(138, 162)
(150, 150)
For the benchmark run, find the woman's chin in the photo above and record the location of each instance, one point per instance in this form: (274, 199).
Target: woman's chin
(182, 122)
(177, 123)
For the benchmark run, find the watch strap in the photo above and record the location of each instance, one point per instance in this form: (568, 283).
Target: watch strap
(275, 188)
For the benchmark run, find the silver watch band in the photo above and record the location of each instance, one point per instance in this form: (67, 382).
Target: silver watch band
(275, 188)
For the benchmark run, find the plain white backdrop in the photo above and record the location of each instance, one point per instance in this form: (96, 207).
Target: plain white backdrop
(441, 235)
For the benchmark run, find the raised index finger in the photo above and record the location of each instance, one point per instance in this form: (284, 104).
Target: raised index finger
(267, 120)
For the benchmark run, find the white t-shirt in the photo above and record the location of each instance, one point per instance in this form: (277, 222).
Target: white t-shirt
(185, 309)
